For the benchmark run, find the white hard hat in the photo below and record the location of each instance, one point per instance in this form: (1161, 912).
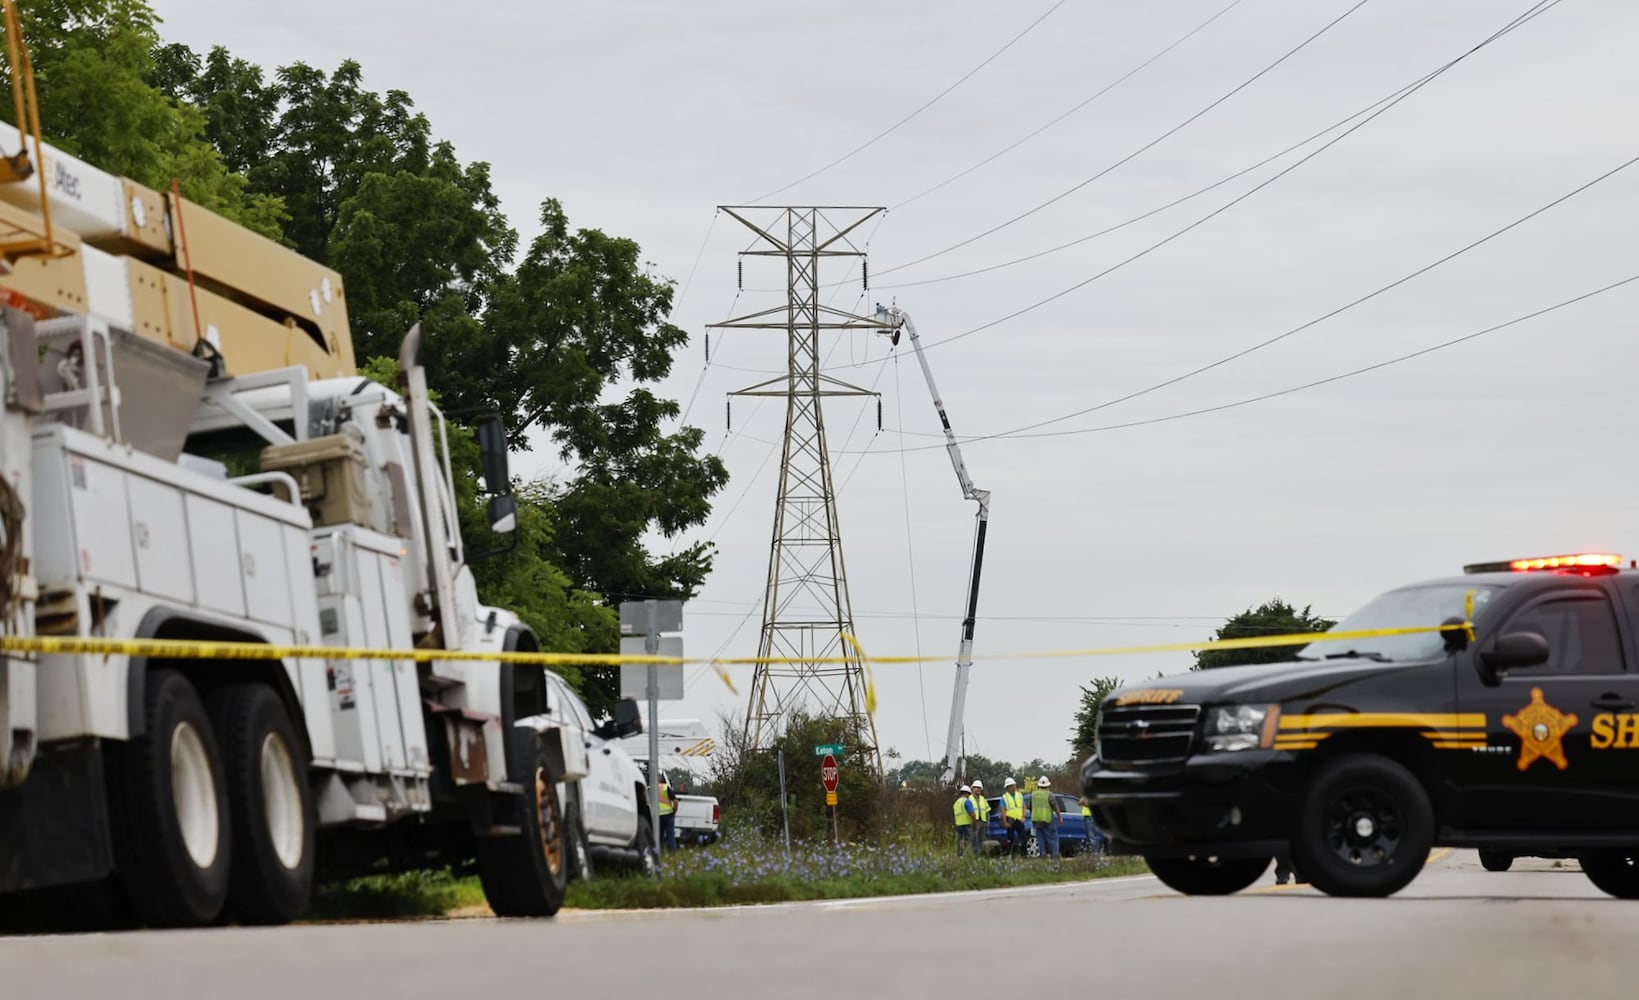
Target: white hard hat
(1009, 781)
(967, 788)
(977, 783)
(1041, 782)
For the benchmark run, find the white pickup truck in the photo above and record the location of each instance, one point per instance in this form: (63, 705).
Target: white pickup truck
(697, 816)
(606, 812)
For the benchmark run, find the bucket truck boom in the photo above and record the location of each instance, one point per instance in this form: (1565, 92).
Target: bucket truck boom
(893, 318)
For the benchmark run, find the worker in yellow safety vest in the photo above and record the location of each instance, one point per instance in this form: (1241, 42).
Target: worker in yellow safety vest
(965, 813)
(981, 817)
(1045, 817)
(1013, 817)
(668, 815)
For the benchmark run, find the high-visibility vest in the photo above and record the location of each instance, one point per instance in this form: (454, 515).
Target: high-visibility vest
(963, 817)
(667, 804)
(1013, 805)
(1086, 811)
(981, 805)
(1041, 806)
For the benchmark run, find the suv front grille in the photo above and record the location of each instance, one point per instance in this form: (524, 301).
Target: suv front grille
(1146, 733)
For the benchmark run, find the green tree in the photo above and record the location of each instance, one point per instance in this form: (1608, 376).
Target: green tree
(1086, 725)
(1274, 617)
(95, 65)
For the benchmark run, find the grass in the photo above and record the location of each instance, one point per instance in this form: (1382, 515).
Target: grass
(726, 874)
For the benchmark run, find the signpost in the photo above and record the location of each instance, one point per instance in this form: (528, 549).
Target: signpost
(645, 620)
(828, 750)
(829, 774)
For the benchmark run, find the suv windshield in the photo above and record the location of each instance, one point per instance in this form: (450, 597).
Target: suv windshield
(1412, 607)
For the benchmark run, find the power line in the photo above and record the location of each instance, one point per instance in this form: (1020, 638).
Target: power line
(1019, 431)
(928, 104)
(1117, 82)
(1317, 382)
(1137, 152)
(1541, 7)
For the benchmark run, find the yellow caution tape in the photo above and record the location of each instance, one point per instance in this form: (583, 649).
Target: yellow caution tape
(207, 649)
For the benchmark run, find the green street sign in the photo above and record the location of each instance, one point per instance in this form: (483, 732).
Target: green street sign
(834, 749)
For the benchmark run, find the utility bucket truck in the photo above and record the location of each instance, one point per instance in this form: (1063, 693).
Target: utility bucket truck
(188, 457)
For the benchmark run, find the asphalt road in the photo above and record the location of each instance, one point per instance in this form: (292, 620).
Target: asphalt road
(1458, 931)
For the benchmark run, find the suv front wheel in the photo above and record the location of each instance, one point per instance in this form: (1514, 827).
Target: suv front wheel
(1365, 827)
(1208, 876)
(1615, 872)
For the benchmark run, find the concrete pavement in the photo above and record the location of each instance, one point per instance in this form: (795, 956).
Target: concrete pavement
(1458, 931)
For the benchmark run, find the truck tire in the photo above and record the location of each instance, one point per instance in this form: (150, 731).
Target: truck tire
(580, 852)
(1208, 876)
(1364, 829)
(1613, 872)
(168, 806)
(270, 802)
(526, 875)
(1496, 861)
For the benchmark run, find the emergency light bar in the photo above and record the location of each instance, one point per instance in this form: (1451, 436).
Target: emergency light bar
(1583, 562)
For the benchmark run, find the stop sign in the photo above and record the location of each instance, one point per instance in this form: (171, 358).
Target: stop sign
(829, 772)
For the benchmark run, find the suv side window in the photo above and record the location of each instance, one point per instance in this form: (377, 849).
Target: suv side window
(1581, 634)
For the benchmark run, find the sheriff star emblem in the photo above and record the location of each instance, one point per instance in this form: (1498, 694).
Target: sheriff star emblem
(1540, 727)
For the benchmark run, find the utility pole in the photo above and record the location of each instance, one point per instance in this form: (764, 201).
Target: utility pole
(806, 609)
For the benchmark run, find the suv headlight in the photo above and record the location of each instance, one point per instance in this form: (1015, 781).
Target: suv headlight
(1241, 727)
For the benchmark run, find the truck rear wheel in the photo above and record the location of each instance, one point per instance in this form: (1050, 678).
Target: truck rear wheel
(168, 803)
(270, 803)
(527, 875)
(1208, 876)
(1365, 827)
(1613, 872)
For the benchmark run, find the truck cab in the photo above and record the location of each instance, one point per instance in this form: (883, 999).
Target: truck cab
(1497, 709)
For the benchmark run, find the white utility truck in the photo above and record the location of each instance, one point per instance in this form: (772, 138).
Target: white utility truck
(188, 455)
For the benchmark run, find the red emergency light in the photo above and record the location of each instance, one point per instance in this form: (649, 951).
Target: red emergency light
(1582, 563)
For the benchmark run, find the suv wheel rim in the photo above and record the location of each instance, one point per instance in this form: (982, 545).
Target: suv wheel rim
(1364, 827)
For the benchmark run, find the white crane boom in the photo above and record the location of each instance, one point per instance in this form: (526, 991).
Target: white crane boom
(894, 318)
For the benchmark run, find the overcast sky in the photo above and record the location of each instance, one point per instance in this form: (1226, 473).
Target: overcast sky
(642, 116)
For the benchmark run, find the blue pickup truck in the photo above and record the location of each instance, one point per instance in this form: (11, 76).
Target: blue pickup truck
(1077, 834)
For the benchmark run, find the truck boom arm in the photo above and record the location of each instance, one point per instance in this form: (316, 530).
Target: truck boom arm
(895, 318)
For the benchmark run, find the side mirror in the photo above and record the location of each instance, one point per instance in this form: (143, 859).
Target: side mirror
(503, 514)
(627, 720)
(493, 455)
(1512, 651)
(1456, 639)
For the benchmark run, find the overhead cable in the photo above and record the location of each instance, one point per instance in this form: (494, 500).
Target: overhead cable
(1191, 33)
(928, 104)
(1135, 153)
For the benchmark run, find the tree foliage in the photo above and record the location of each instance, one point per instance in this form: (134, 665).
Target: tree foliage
(1274, 617)
(566, 342)
(1086, 726)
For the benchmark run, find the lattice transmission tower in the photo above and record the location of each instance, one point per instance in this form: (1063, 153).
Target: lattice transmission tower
(806, 609)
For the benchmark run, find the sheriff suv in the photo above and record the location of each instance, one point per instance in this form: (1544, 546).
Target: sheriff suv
(1519, 736)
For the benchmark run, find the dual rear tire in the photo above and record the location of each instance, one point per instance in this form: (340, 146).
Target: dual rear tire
(211, 812)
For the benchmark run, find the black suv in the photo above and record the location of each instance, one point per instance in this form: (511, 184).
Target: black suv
(1362, 755)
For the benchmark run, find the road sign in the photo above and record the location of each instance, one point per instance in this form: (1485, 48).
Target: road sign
(830, 798)
(634, 677)
(829, 773)
(634, 617)
(828, 750)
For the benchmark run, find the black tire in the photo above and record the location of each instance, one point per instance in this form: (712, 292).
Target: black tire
(271, 804)
(170, 879)
(580, 852)
(526, 875)
(648, 854)
(1364, 829)
(1613, 872)
(1496, 861)
(1208, 876)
